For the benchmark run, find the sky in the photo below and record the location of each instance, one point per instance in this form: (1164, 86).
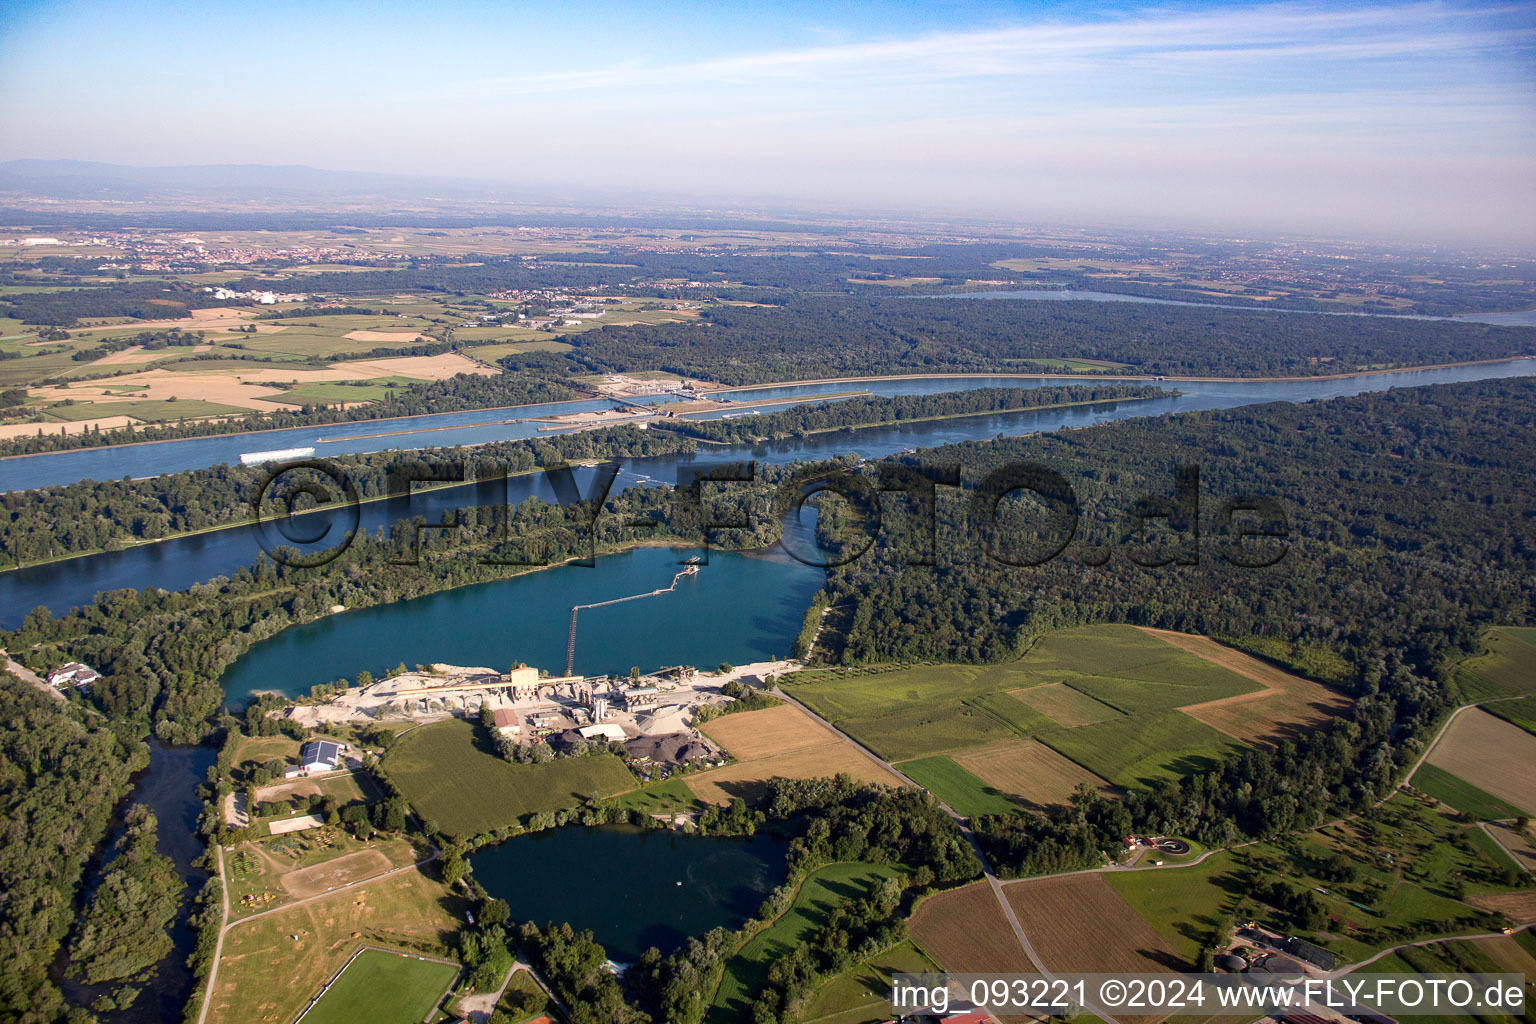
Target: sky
(1404, 120)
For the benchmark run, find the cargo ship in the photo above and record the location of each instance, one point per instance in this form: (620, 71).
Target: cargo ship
(278, 455)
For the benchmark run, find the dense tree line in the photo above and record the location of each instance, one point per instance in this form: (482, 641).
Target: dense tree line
(61, 774)
(144, 300)
(858, 412)
(91, 516)
(844, 336)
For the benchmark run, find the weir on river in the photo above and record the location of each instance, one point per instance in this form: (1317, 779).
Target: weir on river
(691, 569)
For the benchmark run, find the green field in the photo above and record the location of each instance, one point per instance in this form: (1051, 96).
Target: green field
(967, 794)
(1139, 750)
(821, 892)
(1521, 712)
(670, 797)
(149, 411)
(927, 729)
(465, 789)
(333, 393)
(1506, 669)
(1461, 794)
(913, 713)
(383, 988)
(1182, 905)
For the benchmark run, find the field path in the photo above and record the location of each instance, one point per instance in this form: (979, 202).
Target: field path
(993, 881)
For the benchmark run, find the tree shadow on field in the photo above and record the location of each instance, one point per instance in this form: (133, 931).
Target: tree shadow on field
(1163, 958)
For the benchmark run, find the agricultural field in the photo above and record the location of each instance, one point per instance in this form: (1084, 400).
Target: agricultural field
(1507, 668)
(454, 782)
(384, 988)
(1053, 910)
(779, 742)
(967, 794)
(965, 932)
(1460, 794)
(1110, 706)
(1028, 772)
(1521, 711)
(273, 965)
(1518, 845)
(1502, 954)
(1492, 755)
(821, 892)
(1065, 706)
(1141, 749)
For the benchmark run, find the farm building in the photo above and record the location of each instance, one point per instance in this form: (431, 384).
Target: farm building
(318, 757)
(73, 674)
(1305, 951)
(505, 722)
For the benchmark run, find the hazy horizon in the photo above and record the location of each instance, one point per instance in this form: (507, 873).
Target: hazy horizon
(1413, 121)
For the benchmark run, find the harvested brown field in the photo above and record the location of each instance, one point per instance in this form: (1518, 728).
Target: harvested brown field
(1064, 705)
(754, 734)
(1519, 907)
(1028, 771)
(1517, 843)
(354, 867)
(749, 779)
(782, 742)
(382, 335)
(965, 932)
(1287, 706)
(1078, 923)
(1492, 754)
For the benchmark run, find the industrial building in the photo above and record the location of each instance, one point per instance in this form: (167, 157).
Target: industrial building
(506, 722)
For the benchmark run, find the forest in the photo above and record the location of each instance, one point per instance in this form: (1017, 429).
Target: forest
(1408, 531)
(62, 773)
(845, 336)
(87, 516)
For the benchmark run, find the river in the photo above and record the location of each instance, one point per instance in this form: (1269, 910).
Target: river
(635, 888)
(176, 564)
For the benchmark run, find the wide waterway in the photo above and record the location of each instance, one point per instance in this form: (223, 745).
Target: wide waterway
(176, 564)
(635, 888)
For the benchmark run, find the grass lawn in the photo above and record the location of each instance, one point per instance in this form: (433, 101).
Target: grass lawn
(862, 995)
(453, 781)
(670, 797)
(967, 794)
(523, 998)
(1506, 669)
(1141, 749)
(1460, 794)
(383, 988)
(822, 891)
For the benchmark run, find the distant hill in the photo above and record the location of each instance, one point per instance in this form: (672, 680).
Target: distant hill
(83, 179)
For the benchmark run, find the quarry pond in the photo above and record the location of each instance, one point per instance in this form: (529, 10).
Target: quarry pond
(633, 887)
